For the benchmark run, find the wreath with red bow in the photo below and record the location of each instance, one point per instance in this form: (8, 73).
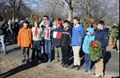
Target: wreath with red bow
(95, 50)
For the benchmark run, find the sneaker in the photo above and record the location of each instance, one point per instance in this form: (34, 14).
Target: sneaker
(65, 66)
(95, 76)
(118, 51)
(4, 52)
(55, 61)
(49, 60)
(78, 68)
(24, 60)
(89, 72)
(86, 71)
(73, 67)
(39, 62)
(100, 76)
(27, 61)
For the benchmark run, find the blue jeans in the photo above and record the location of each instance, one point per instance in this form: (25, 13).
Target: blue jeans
(9, 37)
(87, 62)
(48, 49)
(36, 52)
(2, 42)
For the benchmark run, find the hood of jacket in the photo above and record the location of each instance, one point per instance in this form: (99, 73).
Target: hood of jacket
(91, 30)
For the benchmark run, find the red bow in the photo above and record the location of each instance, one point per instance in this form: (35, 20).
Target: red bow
(94, 44)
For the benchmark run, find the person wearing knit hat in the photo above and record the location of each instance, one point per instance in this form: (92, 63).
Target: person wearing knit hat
(56, 41)
(59, 22)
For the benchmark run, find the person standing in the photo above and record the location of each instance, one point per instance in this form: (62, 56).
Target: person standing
(101, 36)
(118, 40)
(9, 32)
(66, 40)
(46, 26)
(36, 47)
(56, 41)
(77, 38)
(25, 41)
(3, 27)
(85, 47)
(114, 35)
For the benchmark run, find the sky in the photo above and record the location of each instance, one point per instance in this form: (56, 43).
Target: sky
(33, 5)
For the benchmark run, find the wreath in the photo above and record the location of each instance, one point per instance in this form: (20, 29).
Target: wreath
(95, 50)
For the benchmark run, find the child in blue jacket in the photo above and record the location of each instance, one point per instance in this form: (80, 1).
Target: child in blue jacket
(77, 38)
(86, 44)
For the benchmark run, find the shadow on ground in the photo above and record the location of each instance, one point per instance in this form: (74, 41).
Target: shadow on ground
(18, 69)
(13, 50)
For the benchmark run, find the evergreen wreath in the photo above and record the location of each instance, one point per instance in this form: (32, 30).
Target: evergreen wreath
(95, 50)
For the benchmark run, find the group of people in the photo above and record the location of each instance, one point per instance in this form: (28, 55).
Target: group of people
(8, 32)
(62, 37)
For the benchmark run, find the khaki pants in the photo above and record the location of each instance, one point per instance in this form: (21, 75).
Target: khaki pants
(25, 52)
(58, 54)
(76, 50)
(99, 67)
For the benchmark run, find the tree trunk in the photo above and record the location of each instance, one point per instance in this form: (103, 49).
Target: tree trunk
(70, 14)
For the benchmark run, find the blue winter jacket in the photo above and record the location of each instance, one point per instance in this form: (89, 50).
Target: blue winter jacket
(102, 36)
(77, 35)
(87, 40)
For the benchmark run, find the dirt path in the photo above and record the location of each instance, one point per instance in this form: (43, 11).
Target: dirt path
(11, 67)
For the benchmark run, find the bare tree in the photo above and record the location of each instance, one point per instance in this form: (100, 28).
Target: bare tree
(7, 7)
(96, 9)
(51, 8)
(69, 5)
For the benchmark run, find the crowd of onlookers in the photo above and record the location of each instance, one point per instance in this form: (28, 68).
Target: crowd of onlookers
(59, 40)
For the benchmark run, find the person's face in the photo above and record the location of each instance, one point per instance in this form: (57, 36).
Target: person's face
(65, 25)
(25, 25)
(9, 21)
(99, 26)
(44, 19)
(16, 20)
(58, 25)
(75, 21)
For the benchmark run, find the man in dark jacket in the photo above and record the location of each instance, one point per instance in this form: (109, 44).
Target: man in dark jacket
(15, 28)
(66, 39)
(3, 27)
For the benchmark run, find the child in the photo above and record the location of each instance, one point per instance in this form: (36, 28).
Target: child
(86, 44)
(56, 41)
(66, 38)
(101, 36)
(25, 41)
(37, 37)
(77, 37)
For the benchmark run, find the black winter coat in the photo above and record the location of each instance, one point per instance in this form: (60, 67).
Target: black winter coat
(66, 37)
